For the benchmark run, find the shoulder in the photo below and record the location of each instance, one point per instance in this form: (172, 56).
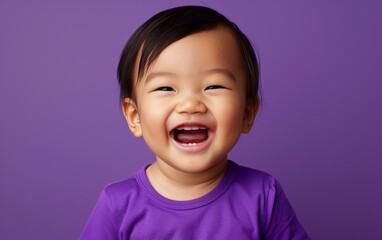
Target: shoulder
(121, 187)
(277, 217)
(107, 215)
(254, 178)
(121, 192)
(257, 186)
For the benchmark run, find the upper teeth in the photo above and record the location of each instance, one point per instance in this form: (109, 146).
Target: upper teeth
(190, 128)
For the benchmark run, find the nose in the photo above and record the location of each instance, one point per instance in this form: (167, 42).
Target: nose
(190, 105)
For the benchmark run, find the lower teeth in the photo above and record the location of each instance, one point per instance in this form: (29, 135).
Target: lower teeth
(190, 144)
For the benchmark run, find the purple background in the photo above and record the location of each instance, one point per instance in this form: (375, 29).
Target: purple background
(63, 137)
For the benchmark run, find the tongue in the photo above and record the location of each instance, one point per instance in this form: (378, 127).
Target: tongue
(191, 136)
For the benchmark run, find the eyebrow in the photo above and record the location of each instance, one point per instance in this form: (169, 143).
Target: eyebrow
(159, 74)
(223, 71)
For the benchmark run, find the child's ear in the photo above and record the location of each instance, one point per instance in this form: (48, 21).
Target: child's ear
(130, 111)
(251, 109)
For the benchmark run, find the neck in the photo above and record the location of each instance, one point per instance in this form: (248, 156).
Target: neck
(179, 185)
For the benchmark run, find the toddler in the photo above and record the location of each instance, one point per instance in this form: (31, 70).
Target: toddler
(189, 86)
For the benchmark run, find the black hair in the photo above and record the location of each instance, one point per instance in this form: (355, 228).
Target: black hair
(169, 26)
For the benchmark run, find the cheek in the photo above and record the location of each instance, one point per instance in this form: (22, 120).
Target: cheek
(233, 105)
(153, 117)
(230, 115)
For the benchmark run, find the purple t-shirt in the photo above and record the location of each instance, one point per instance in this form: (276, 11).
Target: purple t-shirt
(247, 204)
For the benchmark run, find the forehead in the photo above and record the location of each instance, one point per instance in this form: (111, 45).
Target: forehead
(217, 48)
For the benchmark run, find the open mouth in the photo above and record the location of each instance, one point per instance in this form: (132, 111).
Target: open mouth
(190, 136)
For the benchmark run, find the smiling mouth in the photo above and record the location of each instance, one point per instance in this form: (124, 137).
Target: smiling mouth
(190, 136)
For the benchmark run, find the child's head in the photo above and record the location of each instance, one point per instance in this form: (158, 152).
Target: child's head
(169, 26)
(189, 82)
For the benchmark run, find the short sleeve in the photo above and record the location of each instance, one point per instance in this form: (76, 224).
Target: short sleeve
(281, 221)
(101, 224)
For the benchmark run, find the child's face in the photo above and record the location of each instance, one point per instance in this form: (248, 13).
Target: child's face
(191, 103)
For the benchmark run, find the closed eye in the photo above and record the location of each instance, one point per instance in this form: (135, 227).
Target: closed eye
(165, 89)
(214, 87)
